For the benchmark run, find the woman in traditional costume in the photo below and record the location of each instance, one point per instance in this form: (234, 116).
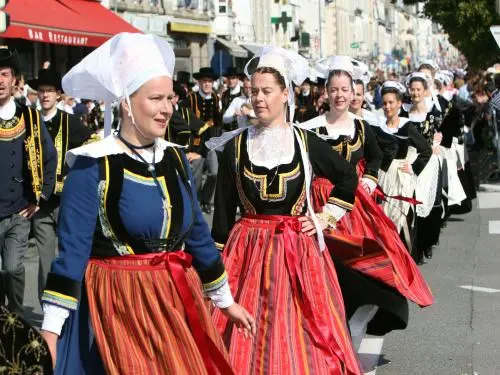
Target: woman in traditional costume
(279, 272)
(378, 273)
(424, 112)
(411, 158)
(124, 295)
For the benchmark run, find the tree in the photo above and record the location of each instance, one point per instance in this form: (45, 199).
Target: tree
(467, 23)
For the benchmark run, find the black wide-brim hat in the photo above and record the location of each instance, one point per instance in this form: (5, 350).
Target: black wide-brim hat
(205, 73)
(8, 59)
(47, 77)
(233, 72)
(184, 78)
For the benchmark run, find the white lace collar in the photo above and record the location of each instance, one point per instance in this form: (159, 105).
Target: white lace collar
(333, 133)
(382, 124)
(8, 110)
(235, 90)
(110, 146)
(205, 96)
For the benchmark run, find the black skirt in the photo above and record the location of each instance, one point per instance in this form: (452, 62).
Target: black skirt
(359, 290)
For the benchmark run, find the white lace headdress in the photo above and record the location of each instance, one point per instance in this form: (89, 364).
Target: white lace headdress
(394, 85)
(118, 68)
(293, 67)
(356, 69)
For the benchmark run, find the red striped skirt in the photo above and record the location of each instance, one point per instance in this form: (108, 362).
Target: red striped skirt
(367, 240)
(280, 276)
(149, 316)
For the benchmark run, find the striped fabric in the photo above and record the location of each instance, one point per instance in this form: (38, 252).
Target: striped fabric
(260, 280)
(367, 241)
(139, 319)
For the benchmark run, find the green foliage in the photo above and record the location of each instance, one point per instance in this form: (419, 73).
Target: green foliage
(467, 23)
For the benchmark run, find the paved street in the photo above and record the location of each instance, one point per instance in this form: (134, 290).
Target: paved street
(460, 334)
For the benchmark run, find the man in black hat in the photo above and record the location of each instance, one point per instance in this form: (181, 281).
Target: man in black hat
(28, 169)
(233, 91)
(183, 129)
(306, 103)
(206, 106)
(184, 79)
(67, 132)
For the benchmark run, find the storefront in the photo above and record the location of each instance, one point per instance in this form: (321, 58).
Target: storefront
(59, 31)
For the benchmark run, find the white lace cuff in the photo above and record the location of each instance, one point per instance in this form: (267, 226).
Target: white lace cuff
(221, 297)
(336, 211)
(54, 318)
(370, 183)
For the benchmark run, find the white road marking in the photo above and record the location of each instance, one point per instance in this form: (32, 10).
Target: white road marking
(494, 227)
(479, 289)
(488, 200)
(369, 354)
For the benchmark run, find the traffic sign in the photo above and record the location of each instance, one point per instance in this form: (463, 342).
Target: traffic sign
(354, 45)
(495, 30)
(4, 17)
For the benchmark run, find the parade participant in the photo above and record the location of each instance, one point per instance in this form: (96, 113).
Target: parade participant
(412, 157)
(279, 272)
(306, 103)
(28, 169)
(123, 296)
(365, 240)
(240, 109)
(451, 129)
(206, 106)
(425, 114)
(358, 105)
(184, 79)
(31, 97)
(183, 129)
(232, 92)
(67, 132)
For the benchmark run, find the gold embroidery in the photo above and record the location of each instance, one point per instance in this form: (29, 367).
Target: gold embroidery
(34, 150)
(283, 179)
(12, 129)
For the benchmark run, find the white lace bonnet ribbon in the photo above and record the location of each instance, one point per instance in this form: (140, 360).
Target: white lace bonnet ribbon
(394, 85)
(414, 75)
(293, 67)
(118, 68)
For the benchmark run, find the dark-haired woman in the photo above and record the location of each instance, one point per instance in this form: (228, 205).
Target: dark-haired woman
(373, 264)
(279, 273)
(411, 158)
(427, 118)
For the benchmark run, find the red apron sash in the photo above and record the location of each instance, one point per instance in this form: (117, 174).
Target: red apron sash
(176, 263)
(321, 333)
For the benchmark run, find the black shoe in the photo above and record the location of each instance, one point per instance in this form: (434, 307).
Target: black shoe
(206, 208)
(428, 253)
(418, 256)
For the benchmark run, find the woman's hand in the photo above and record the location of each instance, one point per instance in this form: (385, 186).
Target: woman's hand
(308, 226)
(242, 318)
(51, 340)
(406, 168)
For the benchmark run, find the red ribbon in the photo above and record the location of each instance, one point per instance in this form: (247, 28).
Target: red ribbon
(379, 193)
(176, 263)
(320, 332)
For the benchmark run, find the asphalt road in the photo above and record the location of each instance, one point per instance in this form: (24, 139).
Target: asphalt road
(458, 335)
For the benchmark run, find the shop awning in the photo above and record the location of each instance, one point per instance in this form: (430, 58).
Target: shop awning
(253, 48)
(234, 49)
(69, 22)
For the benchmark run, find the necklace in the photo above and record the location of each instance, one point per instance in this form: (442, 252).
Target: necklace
(151, 166)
